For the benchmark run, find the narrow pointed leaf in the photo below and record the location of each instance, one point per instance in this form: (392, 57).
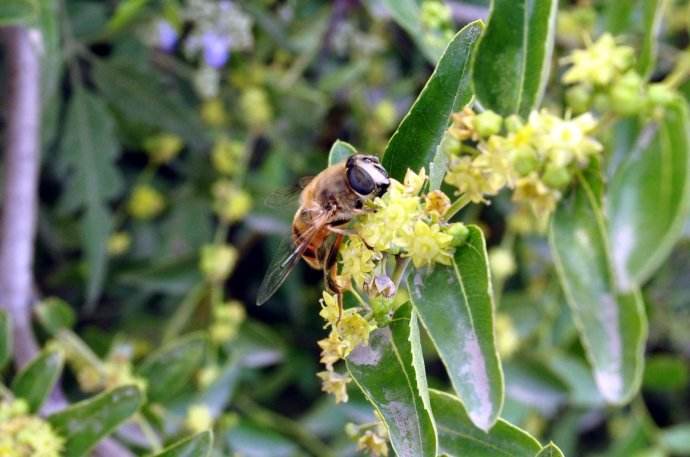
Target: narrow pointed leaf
(85, 423)
(37, 379)
(199, 445)
(414, 143)
(169, 369)
(612, 325)
(5, 339)
(652, 14)
(649, 197)
(459, 437)
(384, 370)
(550, 450)
(514, 56)
(17, 12)
(340, 151)
(455, 304)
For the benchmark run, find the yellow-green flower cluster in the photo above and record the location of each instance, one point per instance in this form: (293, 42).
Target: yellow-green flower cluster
(602, 76)
(217, 261)
(145, 202)
(24, 435)
(371, 438)
(437, 21)
(199, 418)
(227, 318)
(536, 158)
(227, 155)
(163, 148)
(404, 223)
(230, 202)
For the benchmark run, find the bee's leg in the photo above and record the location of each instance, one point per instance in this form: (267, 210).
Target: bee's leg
(342, 231)
(330, 269)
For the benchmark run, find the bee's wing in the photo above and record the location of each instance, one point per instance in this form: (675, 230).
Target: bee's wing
(287, 197)
(284, 261)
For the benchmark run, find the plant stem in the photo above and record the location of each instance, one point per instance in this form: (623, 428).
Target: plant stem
(283, 425)
(457, 205)
(20, 186)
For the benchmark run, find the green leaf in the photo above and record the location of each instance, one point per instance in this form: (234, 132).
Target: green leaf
(455, 304)
(612, 325)
(384, 370)
(414, 143)
(340, 151)
(85, 423)
(550, 450)
(16, 12)
(37, 379)
(199, 445)
(649, 198)
(459, 437)
(5, 338)
(89, 149)
(652, 14)
(575, 373)
(665, 373)
(169, 369)
(125, 86)
(407, 14)
(126, 13)
(513, 58)
(55, 314)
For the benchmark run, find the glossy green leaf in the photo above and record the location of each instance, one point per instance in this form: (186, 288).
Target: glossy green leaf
(652, 14)
(199, 445)
(54, 314)
(89, 149)
(612, 325)
(85, 423)
(169, 369)
(550, 450)
(513, 58)
(37, 379)
(459, 437)
(16, 12)
(649, 198)
(340, 151)
(385, 371)
(5, 339)
(407, 14)
(676, 439)
(455, 304)
(121, 83)
(574, 373)
(414, 143)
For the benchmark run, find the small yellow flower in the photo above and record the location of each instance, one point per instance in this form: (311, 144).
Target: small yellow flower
(231, 203)
(227, 318)
(164, 147)
(599, 64)
(217, 261)
(29, 436)
(213, 112)
(335, 384)
(426, 244)
(256, 107)
(333, 349)
(373, 443)
(541, 199)
(436, 204)
(145, 202)
(462, 127)
(226, 155)
(358, 261)
(198, 418)
(354, 330)
(120, 373)
(330, 311)
(119, 243)
(414, 182)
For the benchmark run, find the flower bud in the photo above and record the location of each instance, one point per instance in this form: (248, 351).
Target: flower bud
(213, 112)
(217, 261)
(514, 123)
(231, 203)
(578, 98)
(501, 262)
(626, 95)
(163, 148)
(459, 232)
(351, 430)
(145, 202)
(525, 160)
(488, 123)
(119, 243)
(451, 145)
(198, 418)
(256, 107)
(226, 155)
(556, 177)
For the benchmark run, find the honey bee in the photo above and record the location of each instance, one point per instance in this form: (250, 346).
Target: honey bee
(327, 204)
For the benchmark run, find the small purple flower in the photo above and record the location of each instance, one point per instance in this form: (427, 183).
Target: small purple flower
(167, 35)
(216, 49)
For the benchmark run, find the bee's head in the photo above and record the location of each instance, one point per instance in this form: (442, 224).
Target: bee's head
(366, 176)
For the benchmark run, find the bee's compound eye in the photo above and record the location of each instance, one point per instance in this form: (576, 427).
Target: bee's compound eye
(360, 181)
